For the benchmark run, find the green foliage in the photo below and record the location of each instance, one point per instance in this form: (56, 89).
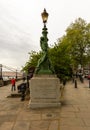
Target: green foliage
(60, 58)
(78, 35)
(33, 59)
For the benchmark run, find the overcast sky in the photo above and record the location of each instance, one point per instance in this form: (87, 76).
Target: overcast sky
(21, 25)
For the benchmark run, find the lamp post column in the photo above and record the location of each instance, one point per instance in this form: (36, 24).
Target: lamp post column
(44, 65)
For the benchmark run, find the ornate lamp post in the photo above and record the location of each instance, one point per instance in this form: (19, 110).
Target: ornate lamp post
(44, 64)
(44, 85)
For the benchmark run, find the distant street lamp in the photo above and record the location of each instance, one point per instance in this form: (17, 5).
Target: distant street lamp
(1, 77)
(0, 71)
(16, 74)
(44, 64)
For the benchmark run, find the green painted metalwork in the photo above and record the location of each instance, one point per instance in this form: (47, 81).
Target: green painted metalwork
(44, 65)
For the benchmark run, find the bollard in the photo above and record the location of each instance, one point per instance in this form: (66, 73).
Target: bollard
(89, 83)
(75, 83)
(23, 96)
(23, 90)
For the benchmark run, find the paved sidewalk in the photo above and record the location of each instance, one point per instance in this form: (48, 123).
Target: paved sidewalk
(74, 114)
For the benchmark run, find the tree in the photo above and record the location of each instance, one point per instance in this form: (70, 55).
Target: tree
(60, 58)
(78, 35)
(33, 59)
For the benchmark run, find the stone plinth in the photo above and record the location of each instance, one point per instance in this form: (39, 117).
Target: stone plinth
(44, 91)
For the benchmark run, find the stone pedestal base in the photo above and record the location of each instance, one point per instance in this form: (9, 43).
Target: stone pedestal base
(44, 91)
